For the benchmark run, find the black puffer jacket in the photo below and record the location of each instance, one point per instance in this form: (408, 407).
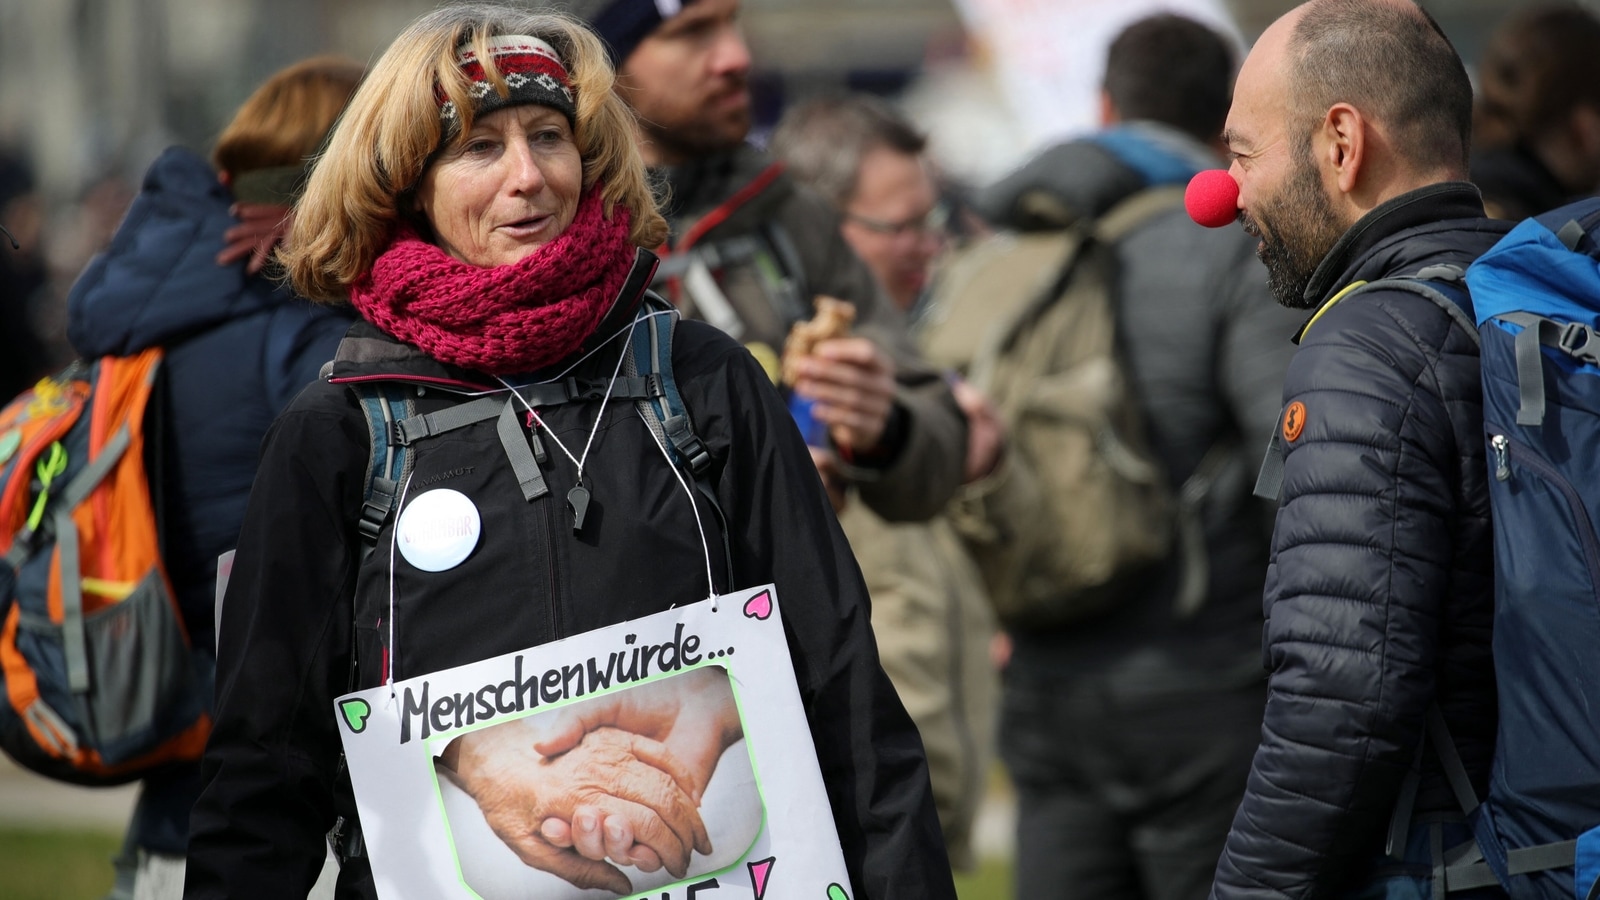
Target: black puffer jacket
(1379, 599)
(271, 769)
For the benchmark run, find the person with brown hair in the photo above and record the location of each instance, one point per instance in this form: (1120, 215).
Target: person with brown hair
(751, 249)
(483, 206)
(262, 153)
(1536, 123)
(238, 347)
(1131, 701)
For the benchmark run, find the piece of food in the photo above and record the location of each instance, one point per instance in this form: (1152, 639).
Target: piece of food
(832, 319)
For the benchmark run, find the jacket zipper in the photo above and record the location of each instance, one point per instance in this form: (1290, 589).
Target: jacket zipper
(555, 582)
(548, 524)
(1504, 448)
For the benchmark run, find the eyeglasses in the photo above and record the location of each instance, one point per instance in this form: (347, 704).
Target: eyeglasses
(931, 222)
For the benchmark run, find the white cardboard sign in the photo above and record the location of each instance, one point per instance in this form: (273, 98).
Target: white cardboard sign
(685, 727)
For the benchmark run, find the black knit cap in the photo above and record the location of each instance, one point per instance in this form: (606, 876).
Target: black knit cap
(533, 73)
(622, 24)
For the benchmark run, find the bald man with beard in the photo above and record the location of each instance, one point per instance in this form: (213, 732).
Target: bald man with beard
(1349, 133)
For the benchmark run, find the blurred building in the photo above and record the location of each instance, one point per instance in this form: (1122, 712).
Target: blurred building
(96, 87)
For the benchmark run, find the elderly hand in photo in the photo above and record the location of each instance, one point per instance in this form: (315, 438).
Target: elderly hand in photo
(693, 715)
(609, 778)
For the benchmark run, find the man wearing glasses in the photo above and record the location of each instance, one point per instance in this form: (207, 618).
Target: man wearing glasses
(866, 159)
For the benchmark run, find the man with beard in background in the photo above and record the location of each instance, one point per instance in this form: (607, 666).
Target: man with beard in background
(751, 250)
(1349, 133)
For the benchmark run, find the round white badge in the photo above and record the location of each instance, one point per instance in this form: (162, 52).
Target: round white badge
(438, 530)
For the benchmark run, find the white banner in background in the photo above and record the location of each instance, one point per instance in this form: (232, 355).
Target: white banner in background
(1050, 55)
(686, 726)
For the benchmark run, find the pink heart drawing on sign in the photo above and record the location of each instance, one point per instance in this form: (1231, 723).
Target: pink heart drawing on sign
(759, 606)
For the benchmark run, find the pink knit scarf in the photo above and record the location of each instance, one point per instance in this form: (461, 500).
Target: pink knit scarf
(509, 319)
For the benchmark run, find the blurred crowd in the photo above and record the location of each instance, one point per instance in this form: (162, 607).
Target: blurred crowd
(1536, 143)
(1130, 726)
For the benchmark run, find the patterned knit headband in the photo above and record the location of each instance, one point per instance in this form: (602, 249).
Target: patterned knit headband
(533, 74)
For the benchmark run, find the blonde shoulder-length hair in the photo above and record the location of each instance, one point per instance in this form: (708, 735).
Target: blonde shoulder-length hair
(360, 188)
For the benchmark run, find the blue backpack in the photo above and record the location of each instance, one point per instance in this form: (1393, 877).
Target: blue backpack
(1535, 301)
(1536, 295)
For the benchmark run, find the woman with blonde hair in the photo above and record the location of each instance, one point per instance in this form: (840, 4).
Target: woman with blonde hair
(483, 206)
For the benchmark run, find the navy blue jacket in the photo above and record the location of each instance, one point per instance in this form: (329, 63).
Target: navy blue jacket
(238, 349)
(1379, 595)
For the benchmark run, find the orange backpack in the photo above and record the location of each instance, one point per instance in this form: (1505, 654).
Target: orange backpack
(97, 682)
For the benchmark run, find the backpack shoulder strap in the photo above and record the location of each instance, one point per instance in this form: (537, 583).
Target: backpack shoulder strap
(1445, 285)
(383, 404)
(130, 381)
(1137, 209)
(1575, 339)
(393, 425)
(650, 356)
(1063, 255)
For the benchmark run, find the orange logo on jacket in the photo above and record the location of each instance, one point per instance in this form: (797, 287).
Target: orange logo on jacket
(1294, 420)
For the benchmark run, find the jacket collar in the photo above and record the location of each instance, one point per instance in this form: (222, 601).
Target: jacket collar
(1440, 223)
(1423, 206)
(369, 354)
(147, 287)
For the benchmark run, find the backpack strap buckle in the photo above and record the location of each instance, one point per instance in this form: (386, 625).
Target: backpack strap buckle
(1579, 341)
(688, 444)
(376, 508)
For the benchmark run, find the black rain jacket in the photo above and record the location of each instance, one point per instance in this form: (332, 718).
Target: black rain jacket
(271, 769)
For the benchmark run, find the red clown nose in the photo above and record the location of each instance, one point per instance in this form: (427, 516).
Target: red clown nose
(1212, 198)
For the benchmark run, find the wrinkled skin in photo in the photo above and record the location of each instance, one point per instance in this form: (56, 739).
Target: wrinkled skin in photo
(610, 774)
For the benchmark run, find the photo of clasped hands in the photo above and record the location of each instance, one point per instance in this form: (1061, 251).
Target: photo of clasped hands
(614, 780)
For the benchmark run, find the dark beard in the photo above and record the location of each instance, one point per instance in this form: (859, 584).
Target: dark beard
(706, 131)
(1297, 229)
(696, 142)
